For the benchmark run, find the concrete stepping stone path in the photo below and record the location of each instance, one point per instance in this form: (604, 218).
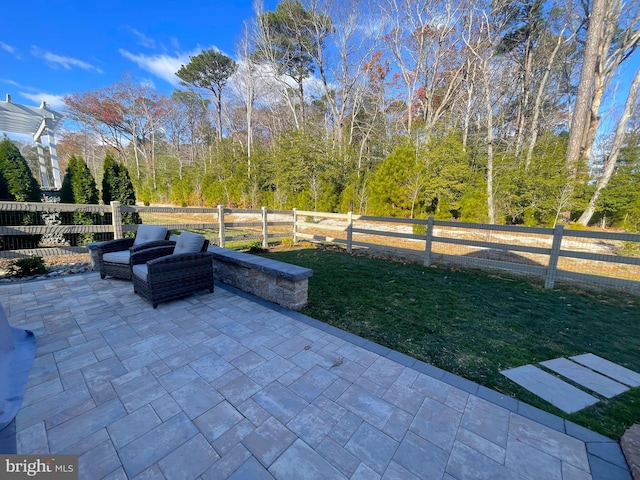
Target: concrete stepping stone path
(610, 369)
(558, 393)
(588, 370)
(585, 377)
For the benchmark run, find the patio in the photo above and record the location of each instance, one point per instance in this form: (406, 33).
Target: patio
(230, 386)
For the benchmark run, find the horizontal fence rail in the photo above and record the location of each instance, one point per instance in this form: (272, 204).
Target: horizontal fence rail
(610, 259)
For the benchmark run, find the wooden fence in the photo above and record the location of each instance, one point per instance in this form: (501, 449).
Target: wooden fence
(608, 259)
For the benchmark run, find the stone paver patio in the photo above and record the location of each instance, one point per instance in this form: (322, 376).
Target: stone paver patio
(229, 386)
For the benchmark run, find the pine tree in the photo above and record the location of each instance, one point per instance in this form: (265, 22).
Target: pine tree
(17, 184)
(117, 186)
(16, 180)
(110, 172)
(79, 187)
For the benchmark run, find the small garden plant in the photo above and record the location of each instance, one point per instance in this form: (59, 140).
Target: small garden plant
(26, 267)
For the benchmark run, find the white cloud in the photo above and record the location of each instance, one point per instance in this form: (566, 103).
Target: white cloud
(271, 88)
(55, 60)
(143, 39)
(55, 102)
(161, 65)
(11, 82)
(8, 48)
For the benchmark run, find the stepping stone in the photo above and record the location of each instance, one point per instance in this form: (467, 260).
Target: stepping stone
(610, 369)
(585, 377)
(558, 393)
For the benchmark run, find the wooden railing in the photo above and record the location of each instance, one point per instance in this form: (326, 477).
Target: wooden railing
(609, 259)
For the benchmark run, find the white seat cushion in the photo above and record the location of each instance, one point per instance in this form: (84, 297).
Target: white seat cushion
(189, 243)
(117, 257)
(140, 271)
(149, 233)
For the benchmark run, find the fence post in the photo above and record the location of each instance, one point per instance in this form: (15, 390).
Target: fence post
(427, 245)
(265, 238)
(116, 220)
(295, 225)
(221, 233)
(349, 232)
(552, 269)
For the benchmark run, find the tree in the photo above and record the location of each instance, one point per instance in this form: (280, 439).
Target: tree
(619, 202)
(209, 70)
(17, 183)
(117, 186)
(580, 118)
(286, 38)
(482, 44)
(398, 185)
(448, 174)
(425, 42)
(246, 87)
(526, 18)
(618, 141)
(619, 39)
(125, 115)
(78, 185)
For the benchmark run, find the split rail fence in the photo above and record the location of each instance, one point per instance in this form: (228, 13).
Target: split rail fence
(599, 258)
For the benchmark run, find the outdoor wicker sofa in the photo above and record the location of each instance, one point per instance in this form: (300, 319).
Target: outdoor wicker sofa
(114, 257)
(176, 272)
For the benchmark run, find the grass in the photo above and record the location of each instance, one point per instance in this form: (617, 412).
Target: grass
(475, 323)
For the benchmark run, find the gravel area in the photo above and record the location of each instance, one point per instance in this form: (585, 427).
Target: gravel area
(57, 265)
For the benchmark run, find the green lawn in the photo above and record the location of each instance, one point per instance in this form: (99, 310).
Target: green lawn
(475, 323)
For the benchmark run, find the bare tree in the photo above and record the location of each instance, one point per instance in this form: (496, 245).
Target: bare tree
(245, 83)
(584, 100)
(618, 141)
(619, 39)
(481, 40)
(424, 41)
(540, 94)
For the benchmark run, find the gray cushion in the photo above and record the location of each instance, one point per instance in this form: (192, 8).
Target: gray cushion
(149, 233)
(121, 257)
(140, 271)
(189, 243)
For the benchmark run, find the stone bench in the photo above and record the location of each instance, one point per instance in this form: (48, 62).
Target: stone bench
(276, 281)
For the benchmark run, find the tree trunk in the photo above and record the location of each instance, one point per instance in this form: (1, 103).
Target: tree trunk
(490, 202)
(582, 111)
(618, 140)
(525, 91)
(584, 98)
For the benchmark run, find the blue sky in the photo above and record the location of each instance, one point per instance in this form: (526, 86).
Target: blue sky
(51, 48)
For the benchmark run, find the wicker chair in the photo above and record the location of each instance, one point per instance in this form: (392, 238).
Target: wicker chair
(114, 257)
(176, 272)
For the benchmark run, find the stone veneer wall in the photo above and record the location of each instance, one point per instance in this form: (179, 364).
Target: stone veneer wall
(288, 293)
(275, 281)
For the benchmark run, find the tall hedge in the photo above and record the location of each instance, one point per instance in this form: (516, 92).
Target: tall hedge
(79, 186)
(17, 183)
(117, 186)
